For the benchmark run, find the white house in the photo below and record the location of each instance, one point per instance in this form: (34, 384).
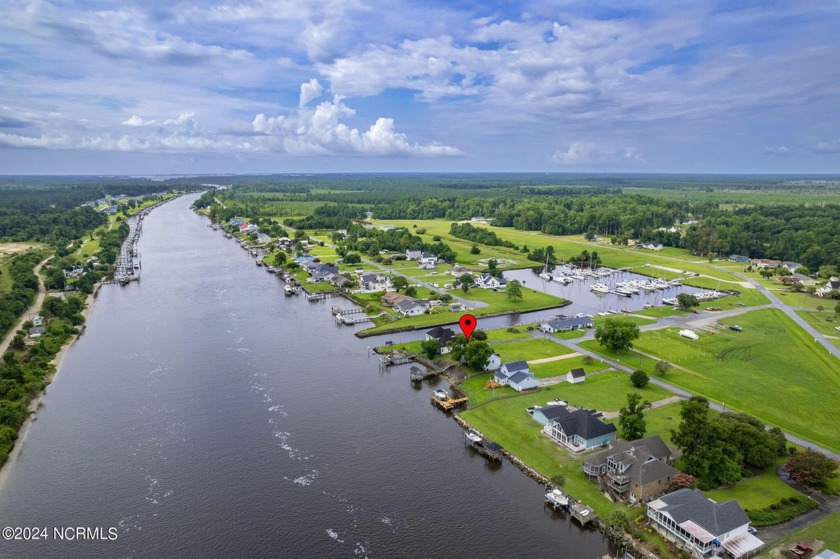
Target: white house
(565, 324)
(410, 307)
(576, 376)
(486, 281)
(427, 260)
(413, 254)
(263, 239)
(517, 375)
(701, 525)
(651, 246)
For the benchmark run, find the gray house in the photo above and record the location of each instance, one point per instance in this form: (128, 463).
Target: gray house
(517, 375)
(566, 324)
(632, 471)
(703, 526)
(578, 430)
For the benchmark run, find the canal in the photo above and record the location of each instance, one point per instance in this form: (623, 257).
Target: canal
(204, 414)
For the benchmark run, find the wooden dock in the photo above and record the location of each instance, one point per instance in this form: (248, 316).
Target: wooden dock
(321, 295)
(449, 403)
(582, 513)
(347, 312)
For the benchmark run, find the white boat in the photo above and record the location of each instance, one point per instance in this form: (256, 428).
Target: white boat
(473, 436)
(563, 279)
(557, 497)
(600, 288)
(545, 276)
(557, 403)
(441, 394)
(289, 289)
(623, 291)
(669, 301)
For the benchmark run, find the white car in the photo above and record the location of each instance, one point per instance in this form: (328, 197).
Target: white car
(837, 327)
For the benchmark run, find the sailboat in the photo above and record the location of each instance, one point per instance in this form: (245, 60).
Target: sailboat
(545, 274)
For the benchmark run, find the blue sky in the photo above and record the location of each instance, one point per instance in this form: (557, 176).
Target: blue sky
(252, 86)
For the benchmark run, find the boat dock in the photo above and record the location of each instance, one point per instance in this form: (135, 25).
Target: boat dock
(357, 319)
(322, 295)
(447, 403)
(582, 513)
(395, 359)
(345, 312)
(557, 499)
(485, 447)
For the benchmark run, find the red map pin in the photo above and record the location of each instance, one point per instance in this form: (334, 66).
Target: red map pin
(467, 324)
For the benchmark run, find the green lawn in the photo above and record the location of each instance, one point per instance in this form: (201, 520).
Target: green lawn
(772, 370)
(756, 492)
(570, 335)
(637, 320)
(506, 422)
(498, 304)
(661, 421)
(529, 349)
(824, 322)
(563, 366)
(627, 358)
(664, 310)
(604, 392)
(501, 334)
(826, 530)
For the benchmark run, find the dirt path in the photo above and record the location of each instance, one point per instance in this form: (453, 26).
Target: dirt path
(555, 358)
(654, 405)
(31, 311)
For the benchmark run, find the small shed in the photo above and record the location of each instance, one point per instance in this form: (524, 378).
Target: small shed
(576, 376)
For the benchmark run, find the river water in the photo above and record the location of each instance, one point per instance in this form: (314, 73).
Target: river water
(204, 414)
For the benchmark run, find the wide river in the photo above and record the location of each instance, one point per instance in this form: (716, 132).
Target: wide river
(204, 414)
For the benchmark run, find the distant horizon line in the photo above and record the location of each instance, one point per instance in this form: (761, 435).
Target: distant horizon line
(416, 173)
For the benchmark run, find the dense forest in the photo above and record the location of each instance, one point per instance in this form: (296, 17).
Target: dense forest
(23, 289)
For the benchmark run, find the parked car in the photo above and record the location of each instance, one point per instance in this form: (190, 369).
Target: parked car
(735, 327)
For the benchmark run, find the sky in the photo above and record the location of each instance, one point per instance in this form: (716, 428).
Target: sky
(288, 86)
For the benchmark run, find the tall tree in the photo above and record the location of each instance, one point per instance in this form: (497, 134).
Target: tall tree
(514, 290)
(617, 334)
(631, 418)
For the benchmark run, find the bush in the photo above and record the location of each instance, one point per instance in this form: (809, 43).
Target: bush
(436, 238)
(639, 378)
(558, 480)
(780, 512)
(513, 330)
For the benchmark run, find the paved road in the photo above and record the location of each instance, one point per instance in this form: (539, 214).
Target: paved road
(30, 312)
(627, 367)
(777, 303)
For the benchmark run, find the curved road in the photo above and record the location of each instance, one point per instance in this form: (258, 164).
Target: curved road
(33, 308)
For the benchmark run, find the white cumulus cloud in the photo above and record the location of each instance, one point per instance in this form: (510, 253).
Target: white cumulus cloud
(321, 130)
(779, 150)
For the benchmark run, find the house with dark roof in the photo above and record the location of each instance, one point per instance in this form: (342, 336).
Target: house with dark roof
(515, 374)
(341, 280)
(791, 266)
(578, 430)
(632, 471)
(427, 260)
(566, 324)
(373, 282)
(547, 414)
(704, 527)
(576, 375)
(443, 336)
(739, 258)
(37, 331)
(323, 272)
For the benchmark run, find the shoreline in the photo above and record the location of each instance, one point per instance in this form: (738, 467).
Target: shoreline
(37, 401)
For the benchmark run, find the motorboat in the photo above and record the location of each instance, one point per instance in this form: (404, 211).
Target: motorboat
(473, 436)
(557, 497)
(669, 301)
(600, 288)
(441, 394)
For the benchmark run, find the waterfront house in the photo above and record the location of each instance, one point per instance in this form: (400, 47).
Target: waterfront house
(703, 526)
(111, 210)
(374, 282)
(443, 336)
(236, 222)
(37, 331)
(341, 280)
(322, 272)
(493, 362)
(632, 471)
(392, 298)
(247, 228)
(566, 324)
(410, 307)
(285, 243)
(547, 414)
(413, 254)
(576, 376)
(579, 430)
(515, 374)
(486, 281)
(263, 239)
